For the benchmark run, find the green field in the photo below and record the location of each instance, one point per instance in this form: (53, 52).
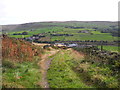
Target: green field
(82, 37)
(111, 48)
(96, 35)
(93, 35)
(93, 30)
(33, 32)
(20, 36)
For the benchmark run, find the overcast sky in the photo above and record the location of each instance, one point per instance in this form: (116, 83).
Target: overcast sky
(24, 11)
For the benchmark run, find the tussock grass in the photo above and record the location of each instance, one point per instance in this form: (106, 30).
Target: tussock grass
(61, 74)
(67, 71)
(20, 75)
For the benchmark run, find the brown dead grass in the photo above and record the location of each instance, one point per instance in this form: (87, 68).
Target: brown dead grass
(77, 55)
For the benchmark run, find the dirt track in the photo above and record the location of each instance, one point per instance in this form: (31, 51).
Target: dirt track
(44, 66)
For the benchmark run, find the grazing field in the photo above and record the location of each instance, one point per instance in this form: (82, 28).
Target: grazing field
(111, 48)
(33, 32)
(20, 36)
(80, 31)
(93, 35)
(82, 37)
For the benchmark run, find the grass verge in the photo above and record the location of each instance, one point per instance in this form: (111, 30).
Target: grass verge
(60, 73)
(20, 75)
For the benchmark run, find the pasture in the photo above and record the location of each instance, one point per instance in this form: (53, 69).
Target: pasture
(111, 48)
(89, 34)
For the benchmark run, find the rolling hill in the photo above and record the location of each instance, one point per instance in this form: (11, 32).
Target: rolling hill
(68, 54)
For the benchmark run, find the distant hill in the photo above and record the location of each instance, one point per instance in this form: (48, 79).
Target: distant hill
(37, 25)
(26, 26)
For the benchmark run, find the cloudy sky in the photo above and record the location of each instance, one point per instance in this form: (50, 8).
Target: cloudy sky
(24, 11)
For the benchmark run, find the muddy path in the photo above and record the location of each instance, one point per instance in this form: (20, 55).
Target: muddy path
(44, 66)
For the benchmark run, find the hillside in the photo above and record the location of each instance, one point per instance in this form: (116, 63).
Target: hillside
(83, 69)
(19, 27)
(76, 32)
(37, 25)
(27, 65)
(71, 54)
(18, 49)
(19, 63)
(94, 31)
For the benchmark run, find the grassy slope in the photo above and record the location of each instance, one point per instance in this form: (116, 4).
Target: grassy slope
(61, 75)
(20, 69)
(36, 31)
(69, 70)
(38, 25)
(20, 75)
(58, 28)
(96, 35)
